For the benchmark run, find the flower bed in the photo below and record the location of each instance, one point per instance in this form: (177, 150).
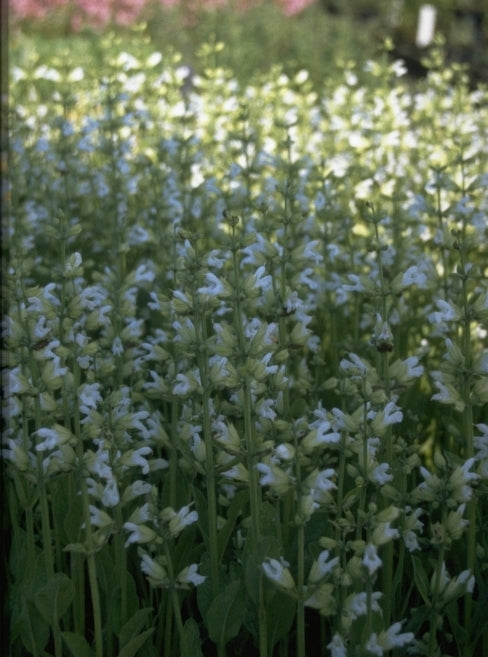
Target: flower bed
(246, 380)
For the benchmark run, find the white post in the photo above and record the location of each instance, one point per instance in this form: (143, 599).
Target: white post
(425, 26)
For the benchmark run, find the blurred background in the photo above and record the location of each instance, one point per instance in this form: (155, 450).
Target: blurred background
(318, 35)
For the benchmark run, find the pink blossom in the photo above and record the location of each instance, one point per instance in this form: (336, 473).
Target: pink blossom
(100, 13)
(292, 7)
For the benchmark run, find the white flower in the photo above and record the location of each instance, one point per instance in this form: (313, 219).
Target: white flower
(358, 603)
(178, 521)
(321, 566)
(144, 273)
(321, 433)
(99, 518)
(117, 346)
(371, 559)
(140, 515)
(392, 639)
(17, 382)
(275, 477)
(261, 280)
(216, 287)
(459, 480)
(154, 59)
(135, 489)
(190, 575)
(110, 495)
(447, 394)
(354, 364)
(155, 572)
(458, 586)
(237, 472)
(413, 368)
(390, 414)
(264, 408)
(449, 312)
(139, 533)
(278, 572)
(76, 75)
(380, 474)
(320, 483)
(72, 264)
(184, 384)
(337, 646)
(285, 452)
(373, 647)
(384, 533)
(16, 454)
(136, 457)
(53, 437)
(412, 525)
(89, 396)
(413, 276)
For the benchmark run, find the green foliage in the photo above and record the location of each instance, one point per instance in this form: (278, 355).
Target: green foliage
(247, 378)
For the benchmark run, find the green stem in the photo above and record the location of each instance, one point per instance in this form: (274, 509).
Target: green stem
(211, 484)
(121, 563)
(301, 592)
(168, 630)
(436, 593)
(445, 282)
(468, 431)
(387, 573)
(173, 456)
(262, 621)
(249, 428)
(85, 503)
(46, 532)
(251, 442)
(176, 603)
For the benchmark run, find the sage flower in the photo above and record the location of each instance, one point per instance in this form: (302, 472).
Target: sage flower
(322, 566)
(155, 572)
(388, 639)
(177, 521)
(274, 477)
(277, 572)
(371, 559)
(190, 575)
(139, 533)
(337, 646)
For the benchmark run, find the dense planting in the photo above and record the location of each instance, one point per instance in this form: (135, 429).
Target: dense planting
(246, 380)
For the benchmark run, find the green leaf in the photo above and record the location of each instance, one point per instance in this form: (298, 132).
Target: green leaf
(459, 632)
(235, 509)
(421, 579)
(226, 614)
(202, 510)
(280, 614)
(205, 592)
(115, 601)
(77, 644)
(54, 597)
(134, 625)
(71, 524)
(130, 649)
(192, 641)
(270, 520)
(28, 625)
(253, 559)
(188, 548)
